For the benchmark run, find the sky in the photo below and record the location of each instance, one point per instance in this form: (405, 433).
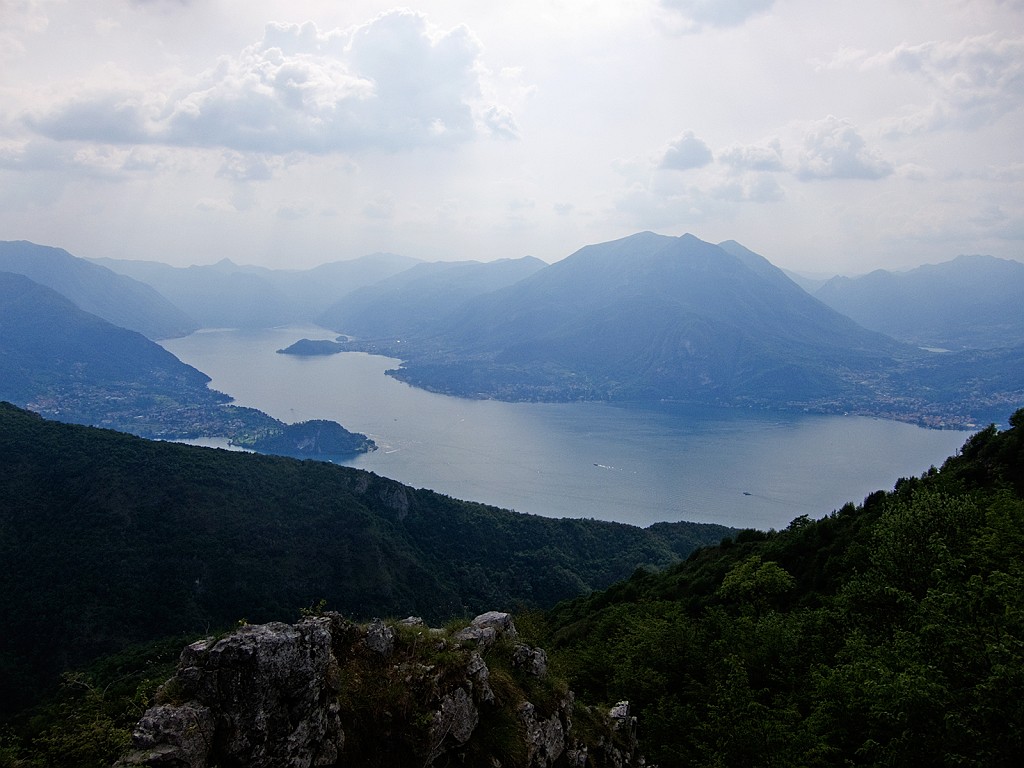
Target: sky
(830, 137)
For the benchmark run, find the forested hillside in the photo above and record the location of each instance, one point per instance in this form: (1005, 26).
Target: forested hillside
(888, 633)
(108, 539)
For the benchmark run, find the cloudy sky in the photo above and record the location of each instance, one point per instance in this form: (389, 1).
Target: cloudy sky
(836, 136)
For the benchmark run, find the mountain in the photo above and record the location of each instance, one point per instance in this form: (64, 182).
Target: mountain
(74, 366)
(227, 295)
(93, 288)
(109, 539)
(969, 302)
(886, 633)
(78, 367)
(422, 297)
(320, 287)
(649, 316)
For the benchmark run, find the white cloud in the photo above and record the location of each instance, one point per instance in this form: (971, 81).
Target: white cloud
(685, 153)
(833, 149)
(393, 83)
(753, 157)
(76, 160)
(19, 18)
(750, 188)
(501, 122)
(696, 14)
(970, 82)
(246, 167)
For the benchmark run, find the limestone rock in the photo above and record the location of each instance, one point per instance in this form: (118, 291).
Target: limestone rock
(279, 696)
(173, 736)
(485, 630)
(262, 695)
(531, 660)
(545, 736)
(380, 637)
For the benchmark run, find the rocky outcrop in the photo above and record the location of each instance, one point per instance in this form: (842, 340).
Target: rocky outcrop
(328, 692)
(265, 695)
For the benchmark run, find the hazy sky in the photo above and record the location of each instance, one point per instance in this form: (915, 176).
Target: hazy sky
(835, 136)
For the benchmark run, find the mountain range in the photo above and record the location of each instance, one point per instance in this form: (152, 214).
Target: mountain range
(66, 363)
(227, 295)
(643, 317)
(423, 296)
(969, 302)
(656, 317)
(119, 299)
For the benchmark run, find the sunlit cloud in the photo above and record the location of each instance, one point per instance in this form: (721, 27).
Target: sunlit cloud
(834, 149)
(968, 83)
(753, 157)
(303, 90)
(686, 152)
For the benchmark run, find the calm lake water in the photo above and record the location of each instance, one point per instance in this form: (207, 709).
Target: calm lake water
(634, 464)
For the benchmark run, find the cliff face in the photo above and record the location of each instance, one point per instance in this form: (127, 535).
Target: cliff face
(328, 692)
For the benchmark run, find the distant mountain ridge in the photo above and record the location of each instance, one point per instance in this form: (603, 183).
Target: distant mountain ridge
(647, 316)
(73, 366)
(969, 302)
(69, 363)
(227, 295)
(119, 299)
(642, 317)
(423, 297)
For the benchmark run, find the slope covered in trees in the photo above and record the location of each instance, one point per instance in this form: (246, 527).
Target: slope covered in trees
(109, 539)
(889, 633)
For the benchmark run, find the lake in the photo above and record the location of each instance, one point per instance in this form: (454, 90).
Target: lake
(637, 463)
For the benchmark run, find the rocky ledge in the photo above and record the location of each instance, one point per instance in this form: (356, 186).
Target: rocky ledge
(329, 692)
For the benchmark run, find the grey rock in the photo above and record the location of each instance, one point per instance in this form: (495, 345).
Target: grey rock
(172, 736)
(270, 696)
(534, 661)
(485, 630)
(457, 718)
(264, 689)
(380, 637)
(545, 737)
(480, 675)
(620, 712)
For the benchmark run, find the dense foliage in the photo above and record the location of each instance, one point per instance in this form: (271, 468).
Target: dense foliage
(109, 539)
(890, 633)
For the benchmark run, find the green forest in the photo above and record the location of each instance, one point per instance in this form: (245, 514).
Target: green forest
(889, 632)
(885, 634)
(109, 540)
